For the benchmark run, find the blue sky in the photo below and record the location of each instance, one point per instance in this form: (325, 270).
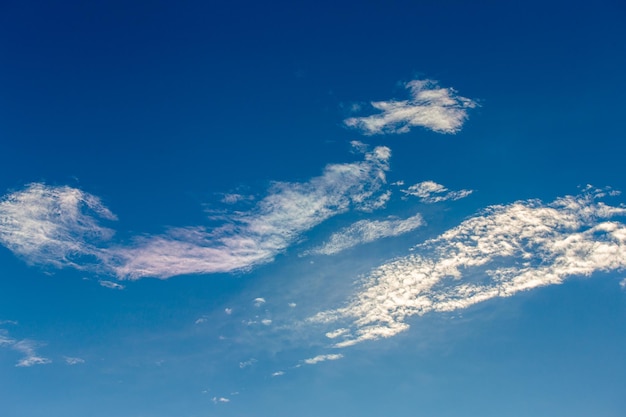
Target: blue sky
(313, 209)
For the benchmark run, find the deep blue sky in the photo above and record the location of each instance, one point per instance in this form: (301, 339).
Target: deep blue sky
(162, 111)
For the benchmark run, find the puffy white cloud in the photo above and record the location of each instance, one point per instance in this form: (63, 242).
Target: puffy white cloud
(53, 225)
(431, 192)
(498, 253)
(322, 358)
(259, 301)
(365, 231)
(439, 109)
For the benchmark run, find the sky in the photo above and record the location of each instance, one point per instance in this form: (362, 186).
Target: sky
(237, 209)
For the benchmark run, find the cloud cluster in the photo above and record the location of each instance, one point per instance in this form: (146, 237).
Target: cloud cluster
(498, 253)
(59, 226)
(25, 347)
(431, 192)
(439, 109)
(365, 231)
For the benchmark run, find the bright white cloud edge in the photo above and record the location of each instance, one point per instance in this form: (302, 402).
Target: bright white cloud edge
(439, 109)
(498, 253)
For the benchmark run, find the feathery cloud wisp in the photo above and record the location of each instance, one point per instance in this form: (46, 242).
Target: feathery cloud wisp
(504, 250)
(25, 347)
(55, 226)
(438, 109)
(59, 226)
(366, 231)
(256, 237)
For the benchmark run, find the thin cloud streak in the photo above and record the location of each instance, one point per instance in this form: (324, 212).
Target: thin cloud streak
(498, 253)
(435, 108)
(366, 231)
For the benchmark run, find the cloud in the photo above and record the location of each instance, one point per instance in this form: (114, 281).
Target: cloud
(55, 226)
(498, 253)
(25, 347)
(278, 373)
(622, 284)
(365, 231)
(112, 285)
(431, 192)
(438, 109)
(220, 400)
(259, 301)
(59, 226)
(73, 361)
(322, 358)
(247, 363)
(257, 236)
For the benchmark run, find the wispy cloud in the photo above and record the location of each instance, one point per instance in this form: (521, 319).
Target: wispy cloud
(439, 109)
(256, 237)
(111, 285)
(59, 225)
(323, 358)
(25, 347)
(73, 361)
(53, 225)
(278, 373)
(431, 192)
(365, 231)
(247, 363)
(504, 250)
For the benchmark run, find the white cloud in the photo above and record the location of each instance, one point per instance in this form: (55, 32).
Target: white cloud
(236, 198)
(25, 347)
(292, 305)
(259, 301)
(247, 363)
(201, 320)
(431, 192)
(59, 226)
(257, 236)
(439, 109)
(53, 225)
(73, 361)
(112, 285)
(622, 284)
(322, 358)
(365, 231)
(504, 250)
(228, 311)
(278, 373)
(220, 400)
(266, 322)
